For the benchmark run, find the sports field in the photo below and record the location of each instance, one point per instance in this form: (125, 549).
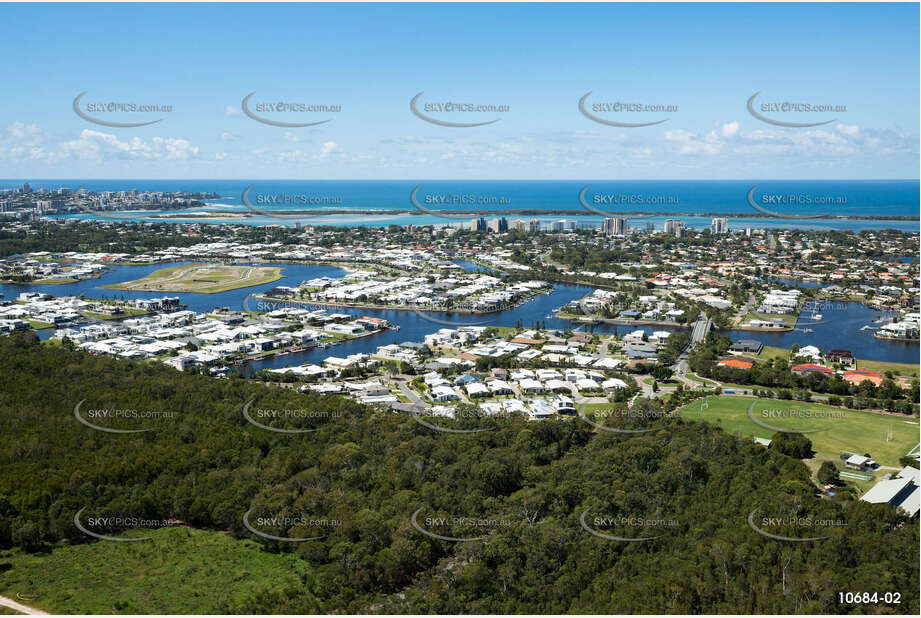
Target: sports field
(201, 278)
(843, 430)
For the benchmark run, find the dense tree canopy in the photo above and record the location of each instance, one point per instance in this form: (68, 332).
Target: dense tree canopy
(371, 471)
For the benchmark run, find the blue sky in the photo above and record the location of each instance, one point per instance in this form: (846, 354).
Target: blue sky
(538, 59)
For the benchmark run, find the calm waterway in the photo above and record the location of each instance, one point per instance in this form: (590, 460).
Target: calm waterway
(841, 326)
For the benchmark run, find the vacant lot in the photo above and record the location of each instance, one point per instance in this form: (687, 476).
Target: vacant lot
(201, 278)
(844, 430)
(178, 571)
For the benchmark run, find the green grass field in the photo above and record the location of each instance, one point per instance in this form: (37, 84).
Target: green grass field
(201, 278)
(58, 281)
(178, 571)
(769, 351)
(38, 324)
(787, 319)
(900, 369)
(858, 432)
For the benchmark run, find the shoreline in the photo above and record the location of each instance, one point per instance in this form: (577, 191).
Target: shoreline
(387, 307)
(620, 322)
(526, 212)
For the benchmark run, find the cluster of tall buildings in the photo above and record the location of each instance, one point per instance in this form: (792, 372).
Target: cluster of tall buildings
(675, 227)
(500, 224)
(614, 226)
(719, 226)
(611, 226)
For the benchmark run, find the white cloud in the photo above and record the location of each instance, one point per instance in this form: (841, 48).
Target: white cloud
(22, 134)
(848, 129)
(230, 110)
(329, 149)
(98, 146)
(730, 129)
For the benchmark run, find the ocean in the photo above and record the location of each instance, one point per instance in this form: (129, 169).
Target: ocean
(385, 202)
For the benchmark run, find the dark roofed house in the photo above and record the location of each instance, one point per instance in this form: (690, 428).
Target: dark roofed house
(840, 356)
(640, 350)
(747, 345)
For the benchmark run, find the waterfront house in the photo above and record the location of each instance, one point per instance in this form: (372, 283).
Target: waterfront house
(747, 346)
(809, 351)
(840, 356)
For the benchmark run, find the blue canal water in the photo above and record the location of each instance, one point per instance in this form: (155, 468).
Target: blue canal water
(840, 327)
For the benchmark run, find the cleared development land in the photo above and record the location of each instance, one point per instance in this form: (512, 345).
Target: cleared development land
(229, 573)
(843, 430)
(201, 278)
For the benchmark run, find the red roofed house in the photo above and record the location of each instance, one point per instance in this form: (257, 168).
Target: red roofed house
(859, 375)
(736, 363)
(810, 368)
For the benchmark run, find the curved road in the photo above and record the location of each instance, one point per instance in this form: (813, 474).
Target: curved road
(19, 607)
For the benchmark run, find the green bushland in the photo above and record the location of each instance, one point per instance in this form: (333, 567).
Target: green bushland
(178, 571)
(371, 470)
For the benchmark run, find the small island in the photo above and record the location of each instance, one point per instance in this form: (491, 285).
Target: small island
(201, 278)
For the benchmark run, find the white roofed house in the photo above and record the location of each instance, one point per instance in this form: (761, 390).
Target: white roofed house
(499, 387)
(608, 363)
(558, 386)
(539, 410)
(659, 337)
(444, 393)
(564, 405)
(636, 335)
(477, 389)
(809, 351)
(613, 384)
(521, 374)
(529, 385)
